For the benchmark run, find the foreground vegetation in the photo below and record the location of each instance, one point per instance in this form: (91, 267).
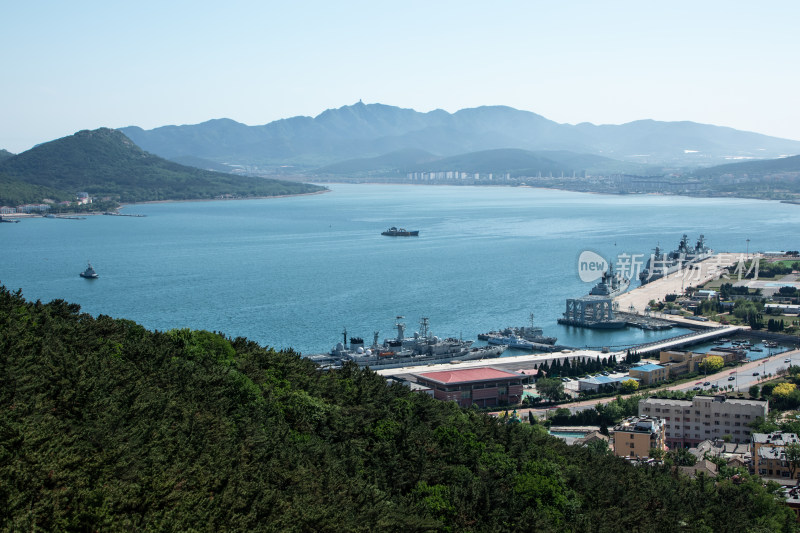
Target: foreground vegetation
(107, 426)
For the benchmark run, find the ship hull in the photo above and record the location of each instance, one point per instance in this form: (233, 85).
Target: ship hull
(474, 354)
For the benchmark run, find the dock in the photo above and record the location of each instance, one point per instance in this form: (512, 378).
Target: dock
(111, 214)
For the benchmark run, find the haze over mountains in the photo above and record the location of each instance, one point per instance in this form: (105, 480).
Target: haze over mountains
(358, 133)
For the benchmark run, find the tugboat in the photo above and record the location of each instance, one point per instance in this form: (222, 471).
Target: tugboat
(400, 232)
(89, 273)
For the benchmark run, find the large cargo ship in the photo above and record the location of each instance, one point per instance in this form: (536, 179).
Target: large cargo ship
(661, 264)
(421, 349)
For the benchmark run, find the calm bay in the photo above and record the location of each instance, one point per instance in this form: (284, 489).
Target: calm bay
(293, 272)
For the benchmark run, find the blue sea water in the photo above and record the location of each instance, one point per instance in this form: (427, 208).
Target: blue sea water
(293, 272)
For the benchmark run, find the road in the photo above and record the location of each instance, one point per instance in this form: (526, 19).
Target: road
(744, 376)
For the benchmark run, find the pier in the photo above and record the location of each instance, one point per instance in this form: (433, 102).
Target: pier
(600, 308)
(688, 339)
(111, 214)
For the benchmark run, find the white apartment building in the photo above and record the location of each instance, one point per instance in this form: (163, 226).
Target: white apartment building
(689, 422)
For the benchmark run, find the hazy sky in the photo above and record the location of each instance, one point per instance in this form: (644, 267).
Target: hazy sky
(69, 66)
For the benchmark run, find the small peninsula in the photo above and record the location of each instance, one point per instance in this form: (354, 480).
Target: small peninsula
(109, 167)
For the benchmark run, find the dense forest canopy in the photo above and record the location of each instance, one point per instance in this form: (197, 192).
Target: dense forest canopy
(105, 425)
(104, 163)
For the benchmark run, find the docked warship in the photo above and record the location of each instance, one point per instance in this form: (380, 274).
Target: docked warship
(422, 349)
(611, 284)
(661, 264)
(524, 338)
(597, 309)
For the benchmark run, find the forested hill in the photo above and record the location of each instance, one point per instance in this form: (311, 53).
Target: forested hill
(105, 426)
(104, 162)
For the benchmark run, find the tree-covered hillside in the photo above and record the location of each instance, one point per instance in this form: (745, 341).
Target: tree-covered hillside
(104, 162)
(105, 426)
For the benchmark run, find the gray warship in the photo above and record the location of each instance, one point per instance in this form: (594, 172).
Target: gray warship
(422, 349)
(611, 284)
(661, 264)
(531, 334)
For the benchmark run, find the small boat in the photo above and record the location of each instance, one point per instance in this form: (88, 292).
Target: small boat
(400, 232)
(89, 273)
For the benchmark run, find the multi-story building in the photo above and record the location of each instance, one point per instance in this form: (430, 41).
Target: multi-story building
(649, 374)
(769, 454)
(635, 436)
(680, 362)
(689, 422)
(484, 387)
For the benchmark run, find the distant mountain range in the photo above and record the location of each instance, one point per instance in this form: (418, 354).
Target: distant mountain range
(371, 136)
(105, 162)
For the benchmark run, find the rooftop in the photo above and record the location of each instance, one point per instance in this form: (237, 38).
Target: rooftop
(771, 452)
(719, 399)
(467, 375)
(647, 368)
(605, 380)
(777, 438)
(639, 424)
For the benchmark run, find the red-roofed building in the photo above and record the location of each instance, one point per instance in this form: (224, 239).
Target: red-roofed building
(484, 387)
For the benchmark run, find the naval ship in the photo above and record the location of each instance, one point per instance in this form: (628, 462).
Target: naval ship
(661, 264)
(611, 284)
(400, 232)
(526, 337)
(422, 349)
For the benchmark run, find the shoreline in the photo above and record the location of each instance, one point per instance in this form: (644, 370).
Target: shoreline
(123, 205)
(564, 189)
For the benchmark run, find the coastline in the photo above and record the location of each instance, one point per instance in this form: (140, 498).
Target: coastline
(122, 205)
(567, 189)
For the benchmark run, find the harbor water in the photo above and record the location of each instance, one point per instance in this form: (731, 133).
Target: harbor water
(294, 272)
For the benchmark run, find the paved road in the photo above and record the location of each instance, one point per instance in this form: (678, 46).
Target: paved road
(743, 378)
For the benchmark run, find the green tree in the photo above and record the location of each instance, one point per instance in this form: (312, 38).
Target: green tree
(551, 388)
(754, 391)
(792, 452)
(656, 453)
(681, 457)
